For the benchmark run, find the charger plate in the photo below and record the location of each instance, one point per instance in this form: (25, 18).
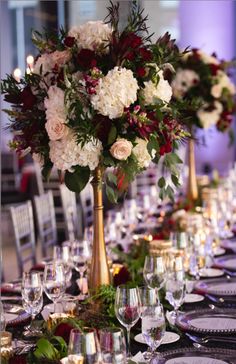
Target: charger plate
(218, 286)
(227, 262)
(198, 356)
(216, 322)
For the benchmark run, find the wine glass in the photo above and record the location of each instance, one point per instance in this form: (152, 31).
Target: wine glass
(112, 343)
(154, 272)
(149, 299)
(127, 309)
(32, 299)
(80, 254)
(175, 287)
(61, 254)
(153, 327)
(54, 281)
(83, 347)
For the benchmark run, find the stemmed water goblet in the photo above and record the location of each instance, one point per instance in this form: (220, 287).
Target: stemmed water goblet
(54, 281)
(61, 254)
(127, 309)
(154, 272)
(153, 320)
(80, 255)
(83, 347)
(32, 299)
(112, 343)
(175, 287)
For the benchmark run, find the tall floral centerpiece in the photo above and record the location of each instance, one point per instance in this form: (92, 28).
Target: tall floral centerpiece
(97, 98)
(202, 80)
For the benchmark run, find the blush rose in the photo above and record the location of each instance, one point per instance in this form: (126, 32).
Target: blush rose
(121, 149)
(56, 129)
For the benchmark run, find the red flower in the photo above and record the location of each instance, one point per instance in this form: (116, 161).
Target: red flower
(18, 359)
(103, 127)
(69, 41)
(145, 54)
(130, 40)
(214, 68)
(122, 277)
(86, 59)
(141, 72)
(130, 56)
(28, 99)
(63, 330)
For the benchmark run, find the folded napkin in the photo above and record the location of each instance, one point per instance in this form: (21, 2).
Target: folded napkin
(138, 358)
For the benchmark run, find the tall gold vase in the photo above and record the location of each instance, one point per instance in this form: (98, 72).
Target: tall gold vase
(99, 270)
(192, 191)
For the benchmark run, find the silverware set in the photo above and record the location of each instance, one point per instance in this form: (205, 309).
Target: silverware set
(208, 339)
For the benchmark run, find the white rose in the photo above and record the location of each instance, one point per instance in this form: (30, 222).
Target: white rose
(121, 149)
(183, 81)
(56, 128)
(92, 35)
(223, 82)
(114, 92)
(209, 118)
(206, 58)
(141, 153)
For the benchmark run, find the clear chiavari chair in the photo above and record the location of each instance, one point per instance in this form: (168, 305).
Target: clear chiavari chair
(70, 212)
(23, 228)
(46, 221)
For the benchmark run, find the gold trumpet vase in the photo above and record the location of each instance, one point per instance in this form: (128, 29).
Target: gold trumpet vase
(99, 270)
(192, 190)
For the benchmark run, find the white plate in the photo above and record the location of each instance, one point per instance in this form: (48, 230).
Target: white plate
(192, 297)
(195, 360)
(211, 272)
(218, 251)
(169, 337)
(229, 244)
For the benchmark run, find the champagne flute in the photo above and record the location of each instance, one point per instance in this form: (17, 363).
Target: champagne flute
(127, 309)
(54, 281)
(32, 299)
(154, 272)
(83, 347)
(112, 343)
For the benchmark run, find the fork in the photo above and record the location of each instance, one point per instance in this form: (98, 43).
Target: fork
(206, 339)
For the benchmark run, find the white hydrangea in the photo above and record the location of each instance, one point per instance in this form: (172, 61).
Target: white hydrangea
(91, 35)
(141, 153)
(114, 92)
(162, 90)
(209, 118)
(183, 81)
(223, 82)
(43, 64)
(67, 153)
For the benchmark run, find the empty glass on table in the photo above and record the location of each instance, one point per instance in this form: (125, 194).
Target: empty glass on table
(54, 281)
(80, 252)
(83, 347)
(62, 254)
(112, 344)
(154, 272)
(32, 299)
(127, 309)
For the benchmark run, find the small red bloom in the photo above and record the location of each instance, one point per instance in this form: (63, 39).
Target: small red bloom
(69, 41)
(214, 68)
(141, 72)
(63, 330)
(28, 99)
(86, 59)
(130, 56)
(145, 54)
(122, 277)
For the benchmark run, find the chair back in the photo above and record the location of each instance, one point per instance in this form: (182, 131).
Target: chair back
(23, 227)
(86, 199)
(71, 218)
(46, 221)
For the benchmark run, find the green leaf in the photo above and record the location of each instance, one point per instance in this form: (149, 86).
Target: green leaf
(45, 349)
(175, 180)
(77, 181)
(109, 161)
(112, 178)
(152, 144)
(46, 170)
(112, 135)
(170, 192)
(112, 195)
(161, 182)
